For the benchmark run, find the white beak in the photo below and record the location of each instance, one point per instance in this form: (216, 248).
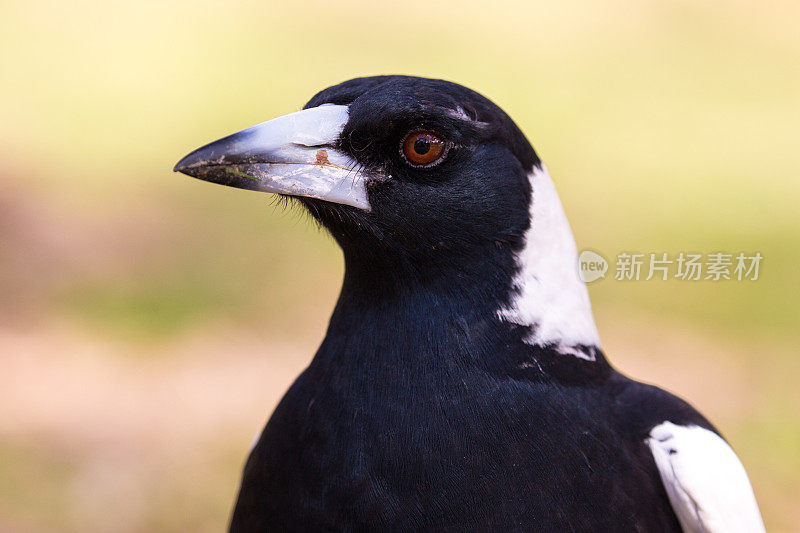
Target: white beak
(293, 154)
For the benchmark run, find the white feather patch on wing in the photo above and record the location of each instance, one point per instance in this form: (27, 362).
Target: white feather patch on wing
(705, 481)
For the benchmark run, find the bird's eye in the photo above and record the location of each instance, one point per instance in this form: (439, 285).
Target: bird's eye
(423, 148)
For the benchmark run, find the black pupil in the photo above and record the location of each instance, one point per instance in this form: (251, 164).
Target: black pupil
(422, 146)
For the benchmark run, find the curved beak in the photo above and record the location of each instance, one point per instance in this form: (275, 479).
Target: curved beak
(293, 154)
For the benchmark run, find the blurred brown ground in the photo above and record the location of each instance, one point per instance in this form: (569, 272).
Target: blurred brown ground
(149, 323)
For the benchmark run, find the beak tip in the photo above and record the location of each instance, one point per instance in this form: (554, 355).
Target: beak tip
(185, 165)
(180, 166)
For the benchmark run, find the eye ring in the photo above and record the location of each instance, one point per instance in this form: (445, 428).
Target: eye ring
(423, 148)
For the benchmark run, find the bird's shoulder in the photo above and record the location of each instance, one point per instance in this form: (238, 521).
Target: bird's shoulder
(639, 407)
(705, 481)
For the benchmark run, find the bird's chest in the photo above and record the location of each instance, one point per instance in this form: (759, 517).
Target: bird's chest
(451, 452)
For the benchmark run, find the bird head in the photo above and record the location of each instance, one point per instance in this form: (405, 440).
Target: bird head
(417, 179)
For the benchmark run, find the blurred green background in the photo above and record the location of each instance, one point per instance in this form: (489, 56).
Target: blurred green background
(149, 322)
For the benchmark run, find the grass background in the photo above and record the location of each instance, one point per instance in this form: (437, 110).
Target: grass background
(149, 322)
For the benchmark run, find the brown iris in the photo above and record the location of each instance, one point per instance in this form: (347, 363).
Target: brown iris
(423, 148)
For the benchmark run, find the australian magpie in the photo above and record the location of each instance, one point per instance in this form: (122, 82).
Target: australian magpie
(461, 384)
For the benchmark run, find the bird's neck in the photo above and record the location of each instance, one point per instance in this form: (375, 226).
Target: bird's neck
(525, 299)
(391, 312)
(435, 329)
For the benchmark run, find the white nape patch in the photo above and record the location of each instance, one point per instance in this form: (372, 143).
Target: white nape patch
(705, 481)
(551, 297)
